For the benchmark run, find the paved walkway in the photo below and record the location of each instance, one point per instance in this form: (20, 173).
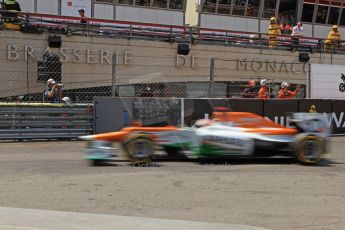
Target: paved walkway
(34, 219)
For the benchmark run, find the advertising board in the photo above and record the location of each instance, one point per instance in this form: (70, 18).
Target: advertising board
(327, 81)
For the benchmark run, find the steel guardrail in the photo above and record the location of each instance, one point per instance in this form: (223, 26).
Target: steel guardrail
(44, 121)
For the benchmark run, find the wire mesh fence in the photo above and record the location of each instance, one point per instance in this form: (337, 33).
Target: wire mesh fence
(83, 74)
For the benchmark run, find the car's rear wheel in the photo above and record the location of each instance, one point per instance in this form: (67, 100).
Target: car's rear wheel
(139, 148)
(309, 149)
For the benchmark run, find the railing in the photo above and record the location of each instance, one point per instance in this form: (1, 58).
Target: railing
(44, 121)
(110, 28)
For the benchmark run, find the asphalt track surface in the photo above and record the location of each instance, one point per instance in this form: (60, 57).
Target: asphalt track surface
(268, 193)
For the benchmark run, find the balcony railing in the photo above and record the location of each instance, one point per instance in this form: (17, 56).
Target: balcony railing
(39, 23)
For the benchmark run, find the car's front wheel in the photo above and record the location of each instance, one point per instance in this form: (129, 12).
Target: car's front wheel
(309, 149)
(139, 148)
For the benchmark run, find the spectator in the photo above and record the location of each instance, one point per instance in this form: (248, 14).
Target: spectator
(285, 93)
(285, 28)
(281, 18)
(53, 92)
(148, 92)
(273, 32)
(83, 18)
(250, 90)
(297, 32)
(321, 16)
(250, 10)
(333, 39)
(264, 91)
(12, 7)
(67, 100)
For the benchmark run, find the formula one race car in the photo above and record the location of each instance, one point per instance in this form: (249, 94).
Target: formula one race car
(227, 134)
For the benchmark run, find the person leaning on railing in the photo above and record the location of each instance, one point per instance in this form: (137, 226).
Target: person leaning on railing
(82, 15)
(273, 32)
(264, 90)
(250, 90)
(285, 28)
(12, 7)
(297, 32)
(333, 39)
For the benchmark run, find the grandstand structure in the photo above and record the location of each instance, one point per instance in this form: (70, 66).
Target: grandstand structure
(253, 15)
(138, 56)
(169, 12)
(239, 15)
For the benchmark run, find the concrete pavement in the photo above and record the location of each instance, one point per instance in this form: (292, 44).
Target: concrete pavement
(35, 219)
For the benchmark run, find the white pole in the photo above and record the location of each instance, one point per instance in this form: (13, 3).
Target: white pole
(182, 112)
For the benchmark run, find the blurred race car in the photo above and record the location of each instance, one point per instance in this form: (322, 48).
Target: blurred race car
(227, 134)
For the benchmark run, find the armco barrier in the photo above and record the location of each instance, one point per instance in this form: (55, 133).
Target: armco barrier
(277, 110)
(114, 113)
(44, 121)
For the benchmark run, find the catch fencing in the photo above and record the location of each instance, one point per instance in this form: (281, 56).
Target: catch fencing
(85, 75)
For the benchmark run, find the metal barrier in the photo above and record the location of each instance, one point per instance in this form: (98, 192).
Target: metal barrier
(44, 121)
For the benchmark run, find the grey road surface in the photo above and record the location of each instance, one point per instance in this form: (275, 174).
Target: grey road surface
(268, 193)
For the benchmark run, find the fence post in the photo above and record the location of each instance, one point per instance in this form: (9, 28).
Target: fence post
(113, 75)
(308, 81)
(211, 84)
(27, 76)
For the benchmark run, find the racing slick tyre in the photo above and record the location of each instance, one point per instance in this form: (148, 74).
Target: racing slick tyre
(309, 149)
(139, 148)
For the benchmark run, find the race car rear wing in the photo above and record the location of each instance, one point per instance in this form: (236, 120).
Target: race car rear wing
(316, 123)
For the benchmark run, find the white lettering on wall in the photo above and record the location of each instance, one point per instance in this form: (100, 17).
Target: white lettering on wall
(12, 52)
(270, 66)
